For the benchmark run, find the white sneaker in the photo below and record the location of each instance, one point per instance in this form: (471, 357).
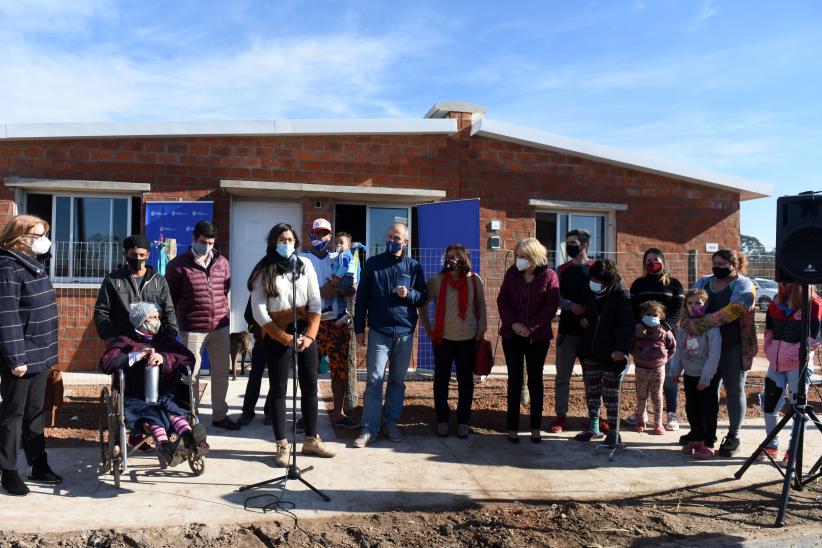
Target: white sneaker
(672, 425)
(363, 439)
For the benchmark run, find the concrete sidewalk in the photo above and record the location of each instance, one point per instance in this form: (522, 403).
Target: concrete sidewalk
(421, 473)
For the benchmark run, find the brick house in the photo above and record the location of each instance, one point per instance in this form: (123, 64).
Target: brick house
(92, 182)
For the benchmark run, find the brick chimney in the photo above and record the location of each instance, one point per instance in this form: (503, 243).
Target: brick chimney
(464, 113)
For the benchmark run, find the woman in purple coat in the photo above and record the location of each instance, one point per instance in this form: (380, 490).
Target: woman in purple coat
(527, 302)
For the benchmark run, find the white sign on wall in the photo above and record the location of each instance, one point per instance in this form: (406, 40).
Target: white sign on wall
(710, 248)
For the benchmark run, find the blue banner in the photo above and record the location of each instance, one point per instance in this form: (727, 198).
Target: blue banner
(175, 220)
(439, 225)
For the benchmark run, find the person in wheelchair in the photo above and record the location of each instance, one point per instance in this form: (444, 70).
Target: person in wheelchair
(134, 353)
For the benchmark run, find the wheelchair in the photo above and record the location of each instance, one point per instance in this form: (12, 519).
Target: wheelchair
(114, 447)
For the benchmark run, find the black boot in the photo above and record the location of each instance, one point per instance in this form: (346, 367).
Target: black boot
(41, 471)
(195, 439)
(13, 483)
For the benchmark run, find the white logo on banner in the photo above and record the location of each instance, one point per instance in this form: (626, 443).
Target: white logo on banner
(199, 214)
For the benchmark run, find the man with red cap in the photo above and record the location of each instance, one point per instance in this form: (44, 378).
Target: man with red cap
(333, 338)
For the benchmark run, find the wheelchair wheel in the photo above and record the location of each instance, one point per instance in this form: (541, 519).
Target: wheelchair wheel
(105, 431)
(110, 447)
(196, 463)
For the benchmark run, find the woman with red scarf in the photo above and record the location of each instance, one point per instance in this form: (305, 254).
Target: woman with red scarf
(459, 321)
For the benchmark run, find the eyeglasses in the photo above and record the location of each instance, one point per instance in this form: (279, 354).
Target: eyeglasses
(36, 235)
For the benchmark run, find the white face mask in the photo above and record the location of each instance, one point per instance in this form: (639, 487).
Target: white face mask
(41, 245)
(595, 287)
(522, 264)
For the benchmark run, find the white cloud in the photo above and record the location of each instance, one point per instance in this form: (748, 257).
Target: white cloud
(341, 74)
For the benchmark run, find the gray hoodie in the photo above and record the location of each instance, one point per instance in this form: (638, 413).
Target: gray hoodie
(697, 355)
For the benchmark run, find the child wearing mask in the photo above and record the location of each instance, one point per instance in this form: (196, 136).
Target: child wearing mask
(654, 344)
(698, 357)
(783, 331)
(142, 348)
(608, 329)
(346, 271)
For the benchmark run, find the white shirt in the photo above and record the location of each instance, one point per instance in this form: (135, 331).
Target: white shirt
(308, 293)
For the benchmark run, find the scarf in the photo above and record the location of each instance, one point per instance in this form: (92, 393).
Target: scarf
(461, 285)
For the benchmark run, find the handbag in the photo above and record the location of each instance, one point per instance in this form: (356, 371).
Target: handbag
(484, 353)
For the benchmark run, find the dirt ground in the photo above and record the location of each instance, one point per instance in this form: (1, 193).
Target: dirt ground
(716, 515)
(690, 516)
(77, 419)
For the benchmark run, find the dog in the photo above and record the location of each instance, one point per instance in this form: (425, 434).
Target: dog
(54, 394)
(239, 343)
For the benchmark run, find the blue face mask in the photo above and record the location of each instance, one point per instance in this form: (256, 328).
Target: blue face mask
(319, 245)
(285, 250)
(393, 247)
(650, 321)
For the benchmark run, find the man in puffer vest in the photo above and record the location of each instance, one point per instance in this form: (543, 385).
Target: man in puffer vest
(199, 281)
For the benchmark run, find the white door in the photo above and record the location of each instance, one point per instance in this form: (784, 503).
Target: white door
(250, 223)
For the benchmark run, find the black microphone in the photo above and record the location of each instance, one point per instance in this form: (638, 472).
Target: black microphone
(292, 263)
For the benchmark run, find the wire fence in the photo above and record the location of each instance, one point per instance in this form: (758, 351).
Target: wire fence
(80, 347)
(79, 268)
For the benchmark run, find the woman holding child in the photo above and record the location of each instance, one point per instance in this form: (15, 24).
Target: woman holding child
(730, 307)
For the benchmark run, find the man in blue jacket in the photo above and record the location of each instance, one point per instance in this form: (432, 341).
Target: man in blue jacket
(392, 286)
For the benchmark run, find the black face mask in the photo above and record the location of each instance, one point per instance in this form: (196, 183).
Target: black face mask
(573, 250)
(451, 264)
(136, 265)
(721, 272)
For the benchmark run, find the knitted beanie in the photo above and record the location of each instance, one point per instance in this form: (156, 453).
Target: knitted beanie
(140, 311)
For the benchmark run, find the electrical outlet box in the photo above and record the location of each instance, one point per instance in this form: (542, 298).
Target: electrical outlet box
(494, 242)
(496, 225)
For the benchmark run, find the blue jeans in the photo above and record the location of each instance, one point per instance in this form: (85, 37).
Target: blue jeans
(381, 349)
(772, 397)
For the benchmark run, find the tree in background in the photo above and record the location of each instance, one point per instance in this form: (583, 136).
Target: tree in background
(760, 260)
(751, 246)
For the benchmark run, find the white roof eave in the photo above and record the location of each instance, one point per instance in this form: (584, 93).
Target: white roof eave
(502, 131)
(91, 130)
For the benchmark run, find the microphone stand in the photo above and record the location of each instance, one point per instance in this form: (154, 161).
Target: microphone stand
(293, 471)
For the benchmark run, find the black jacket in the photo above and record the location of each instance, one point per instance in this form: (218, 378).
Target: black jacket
(28, 314)
(610, 326)
(119, 291)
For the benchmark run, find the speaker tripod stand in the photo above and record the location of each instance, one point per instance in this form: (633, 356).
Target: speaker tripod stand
(801, 413)
(293, 471)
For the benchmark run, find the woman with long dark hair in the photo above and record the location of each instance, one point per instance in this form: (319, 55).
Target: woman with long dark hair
(657, 284)
(460, 320)
(28, 349)
(273, 306)
(731, 298)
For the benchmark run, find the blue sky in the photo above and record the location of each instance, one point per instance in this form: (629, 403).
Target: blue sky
(728, 85)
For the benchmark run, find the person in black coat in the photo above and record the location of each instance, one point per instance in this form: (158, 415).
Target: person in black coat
(608, 324)
(134, 282)
(28, 349)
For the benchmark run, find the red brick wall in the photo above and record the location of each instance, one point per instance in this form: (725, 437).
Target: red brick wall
(674, 215)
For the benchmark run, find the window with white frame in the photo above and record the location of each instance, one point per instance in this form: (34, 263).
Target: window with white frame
(87, 232)
(552, 227)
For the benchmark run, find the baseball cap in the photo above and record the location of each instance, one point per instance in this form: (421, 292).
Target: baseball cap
(320, 224)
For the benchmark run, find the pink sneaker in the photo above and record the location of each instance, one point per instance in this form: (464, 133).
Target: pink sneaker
(704, 453)
(658, 430)
(691, 447)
